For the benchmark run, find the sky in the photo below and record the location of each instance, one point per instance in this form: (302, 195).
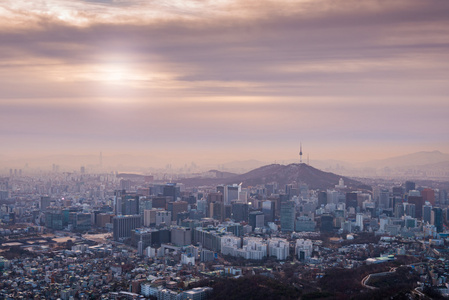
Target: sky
(224, 80)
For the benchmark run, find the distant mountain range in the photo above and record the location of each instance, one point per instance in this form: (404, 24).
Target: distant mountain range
(282, 174)
(422, 158)
(428, 164)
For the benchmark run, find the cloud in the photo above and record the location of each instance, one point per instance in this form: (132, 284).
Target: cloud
(237, 72)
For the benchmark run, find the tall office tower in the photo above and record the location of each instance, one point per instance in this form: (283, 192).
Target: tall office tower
(240, 211)
(122, 226)
(215, 205)
(243, 196)
(125, 184)
(419, 202)
(144, 203)
(351, 199)
(359, 221)
(233, 192)
(436, 218)
(384, 198)
(45, 203)
(327, 223)
(443, 197)
(268, 210)
(289, 190)
(118, 194)
(395, 201)
(399, 210)
(332, 197)
(256, 219)
(428, 195)
(426, 213)
(159, 202)
(288, 214)
(163, 217)
(171, 190)
(398, 191)
(376, 194)
(223, 190)
(177, 207)
(201, 206)
(149, 217)
(410, 209)
(130, 205)
(409, 185)
(322, 198)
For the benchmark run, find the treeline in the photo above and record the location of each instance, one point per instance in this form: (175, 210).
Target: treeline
(252, 288)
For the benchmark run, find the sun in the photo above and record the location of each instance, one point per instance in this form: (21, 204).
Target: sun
(114, 74)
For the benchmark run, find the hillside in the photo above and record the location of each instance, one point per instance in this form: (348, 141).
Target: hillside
(282, 174)
(285, 174)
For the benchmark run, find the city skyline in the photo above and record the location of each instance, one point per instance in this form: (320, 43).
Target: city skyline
(208, 81)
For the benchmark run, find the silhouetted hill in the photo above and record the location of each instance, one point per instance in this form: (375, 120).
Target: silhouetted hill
(282, 174)
(285, 174)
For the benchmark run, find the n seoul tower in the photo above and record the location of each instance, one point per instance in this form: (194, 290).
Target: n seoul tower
(300, 153)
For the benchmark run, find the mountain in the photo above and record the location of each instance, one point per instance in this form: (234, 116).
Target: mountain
(285, 174)
(410, 160)
(282, 174)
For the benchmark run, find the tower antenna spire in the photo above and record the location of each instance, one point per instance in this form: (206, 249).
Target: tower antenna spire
(300, 152)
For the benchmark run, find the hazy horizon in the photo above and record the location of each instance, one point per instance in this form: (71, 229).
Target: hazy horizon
(222, 81)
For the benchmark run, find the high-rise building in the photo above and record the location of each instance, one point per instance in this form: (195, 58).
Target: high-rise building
(45, 203)
(327, 223)
(436, 218)
(419, 202)
(428, 195)
(351, 200)
(181, 236)
(83, 222)
(163, 217)
(409, 185)
(268, 210)
(322, 198)
(410, 209)
(384, 198)
(171, 190)
(159, 202)
(215, 204)
(443, 197)
(240, 211)
(306, 224)
(177, 207)
(426, 213)
(233, 192)
(399, 210)
(256, 219)
(398, 191)
(359, 221)
(122, 226)
(288, 214)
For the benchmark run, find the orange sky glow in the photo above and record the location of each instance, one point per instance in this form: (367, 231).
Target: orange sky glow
(215, 81)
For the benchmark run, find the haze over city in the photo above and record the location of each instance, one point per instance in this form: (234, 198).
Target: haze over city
(224, 149)
(217, 81)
